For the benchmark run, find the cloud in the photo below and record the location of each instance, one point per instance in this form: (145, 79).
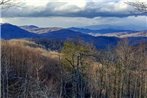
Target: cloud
(76, 13)
(97, 8)
(72, 8)
(131, 22)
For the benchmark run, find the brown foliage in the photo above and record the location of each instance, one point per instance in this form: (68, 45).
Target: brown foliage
(27, 63)
(29, 71)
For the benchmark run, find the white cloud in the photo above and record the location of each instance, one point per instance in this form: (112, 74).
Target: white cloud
(35, 3)
(38, 3)
(1, 20)
(78, 3)
(72, 8)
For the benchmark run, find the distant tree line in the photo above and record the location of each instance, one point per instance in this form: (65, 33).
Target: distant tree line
(55, 45)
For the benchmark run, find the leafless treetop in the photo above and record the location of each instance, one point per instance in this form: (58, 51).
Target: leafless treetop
(3, 2)
(139, 6)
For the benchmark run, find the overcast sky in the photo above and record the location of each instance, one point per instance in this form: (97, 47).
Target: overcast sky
(74, 13)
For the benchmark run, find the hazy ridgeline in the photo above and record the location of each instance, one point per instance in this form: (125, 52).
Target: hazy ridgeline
(78, 70)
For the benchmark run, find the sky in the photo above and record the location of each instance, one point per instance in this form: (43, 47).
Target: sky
(74, 13)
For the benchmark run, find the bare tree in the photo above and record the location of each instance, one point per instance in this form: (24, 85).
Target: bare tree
(138, 6)
(5, 4)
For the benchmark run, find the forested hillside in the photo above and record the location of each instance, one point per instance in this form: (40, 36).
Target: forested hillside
(78, 70)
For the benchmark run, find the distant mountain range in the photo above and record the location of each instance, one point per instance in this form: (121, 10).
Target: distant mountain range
(100, 31)
(121, 33)
(38, 30)
(132, 27)
(29, 27)
(9, 31)
(112, 32)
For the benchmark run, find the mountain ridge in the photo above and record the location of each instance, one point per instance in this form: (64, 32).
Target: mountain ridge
(9, 31)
